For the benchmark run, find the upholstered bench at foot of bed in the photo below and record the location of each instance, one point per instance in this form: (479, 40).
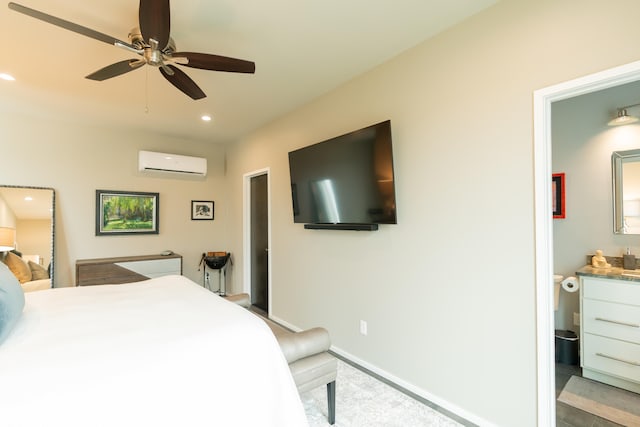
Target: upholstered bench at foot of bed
(307, 354)
(310, 363)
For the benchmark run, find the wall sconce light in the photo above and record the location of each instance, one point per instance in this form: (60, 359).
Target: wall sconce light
(7, 239)
(622, 118)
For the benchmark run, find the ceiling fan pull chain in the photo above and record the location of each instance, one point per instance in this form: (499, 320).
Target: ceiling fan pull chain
(146, 92)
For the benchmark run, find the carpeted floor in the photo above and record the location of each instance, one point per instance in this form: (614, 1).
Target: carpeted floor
(363, 401)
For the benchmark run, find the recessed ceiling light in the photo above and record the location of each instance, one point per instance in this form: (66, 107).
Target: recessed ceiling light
(8, 77)
(206, 118)
(28, 198)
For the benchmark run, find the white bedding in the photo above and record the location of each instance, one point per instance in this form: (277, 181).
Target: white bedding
(163, 352)
(36, 285)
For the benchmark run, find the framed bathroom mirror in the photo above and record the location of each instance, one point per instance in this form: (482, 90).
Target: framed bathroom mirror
(626, 191)
(28, 214)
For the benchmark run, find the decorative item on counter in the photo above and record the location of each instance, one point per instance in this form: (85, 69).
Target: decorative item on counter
(599, 261)
(629, 260)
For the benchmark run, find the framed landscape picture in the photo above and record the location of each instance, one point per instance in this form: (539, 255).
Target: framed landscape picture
(126, 212)
(201, 210)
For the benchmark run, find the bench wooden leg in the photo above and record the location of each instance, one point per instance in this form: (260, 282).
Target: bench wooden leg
(331, 401)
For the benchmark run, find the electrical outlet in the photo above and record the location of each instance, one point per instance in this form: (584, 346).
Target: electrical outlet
(576, 319)
(363, 327)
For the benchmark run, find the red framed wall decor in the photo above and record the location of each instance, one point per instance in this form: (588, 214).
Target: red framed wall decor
(557, 195)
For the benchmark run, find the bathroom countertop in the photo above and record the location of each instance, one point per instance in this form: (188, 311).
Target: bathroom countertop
(610, 273)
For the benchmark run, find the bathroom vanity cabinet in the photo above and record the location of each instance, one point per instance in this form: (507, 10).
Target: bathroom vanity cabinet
(610, 331)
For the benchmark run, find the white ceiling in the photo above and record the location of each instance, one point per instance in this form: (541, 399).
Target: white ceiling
(302, 49)
(28, 203)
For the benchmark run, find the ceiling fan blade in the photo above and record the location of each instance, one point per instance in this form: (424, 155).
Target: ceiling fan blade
(116, 69)
(183, 82)
(155, 21)
(67, 25)
(206, 61)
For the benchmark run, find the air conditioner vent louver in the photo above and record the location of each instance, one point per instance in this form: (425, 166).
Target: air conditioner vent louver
(171, 170)
(149, 161)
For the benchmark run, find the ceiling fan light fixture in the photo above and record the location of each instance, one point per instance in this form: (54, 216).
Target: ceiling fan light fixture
(152, 42)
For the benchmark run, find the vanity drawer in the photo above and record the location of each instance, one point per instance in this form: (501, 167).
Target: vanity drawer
(611, 319)
(625, 292)
(613, 357)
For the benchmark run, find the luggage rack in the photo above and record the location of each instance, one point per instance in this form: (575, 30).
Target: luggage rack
(216, 261)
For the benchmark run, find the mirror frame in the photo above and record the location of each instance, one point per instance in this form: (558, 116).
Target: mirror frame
(618, 159)
(53, 225)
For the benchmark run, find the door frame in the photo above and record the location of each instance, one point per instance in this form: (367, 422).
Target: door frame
(542, 100)
(246, 231)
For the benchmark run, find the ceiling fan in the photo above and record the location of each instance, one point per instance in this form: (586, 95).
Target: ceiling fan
(151, 41)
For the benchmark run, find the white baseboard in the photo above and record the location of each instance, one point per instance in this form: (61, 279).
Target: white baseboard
(400, 382)
(284, 323)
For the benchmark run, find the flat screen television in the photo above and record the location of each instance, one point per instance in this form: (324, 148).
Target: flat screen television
(346, 182)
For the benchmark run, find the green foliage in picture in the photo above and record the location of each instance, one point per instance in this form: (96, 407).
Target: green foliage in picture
(121, 212)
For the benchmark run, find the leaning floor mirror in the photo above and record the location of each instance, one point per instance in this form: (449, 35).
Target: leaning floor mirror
(27, 234)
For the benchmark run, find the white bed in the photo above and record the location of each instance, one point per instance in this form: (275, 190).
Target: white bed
(163, 352)
(36, 285)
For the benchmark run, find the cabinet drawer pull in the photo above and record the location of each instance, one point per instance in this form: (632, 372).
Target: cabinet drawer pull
(617, 322)
(628, 362)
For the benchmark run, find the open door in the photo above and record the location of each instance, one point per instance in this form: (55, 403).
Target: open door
(259, 241)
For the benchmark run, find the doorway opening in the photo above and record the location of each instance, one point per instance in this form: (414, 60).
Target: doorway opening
(543, 100)
(257, 239)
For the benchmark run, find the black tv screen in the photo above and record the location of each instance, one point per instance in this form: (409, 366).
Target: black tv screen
(345, 180)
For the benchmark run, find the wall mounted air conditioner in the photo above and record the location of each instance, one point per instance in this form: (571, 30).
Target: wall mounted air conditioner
(149, 161)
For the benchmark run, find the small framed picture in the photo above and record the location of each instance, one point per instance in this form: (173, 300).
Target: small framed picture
(201, 210)
(557, 195)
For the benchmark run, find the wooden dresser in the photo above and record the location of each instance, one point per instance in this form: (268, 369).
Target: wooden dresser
(119, 270)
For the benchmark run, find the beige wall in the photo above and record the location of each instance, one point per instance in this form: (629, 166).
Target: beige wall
(76, 160)
(449, 292)
(34, 238)
(7, 217)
